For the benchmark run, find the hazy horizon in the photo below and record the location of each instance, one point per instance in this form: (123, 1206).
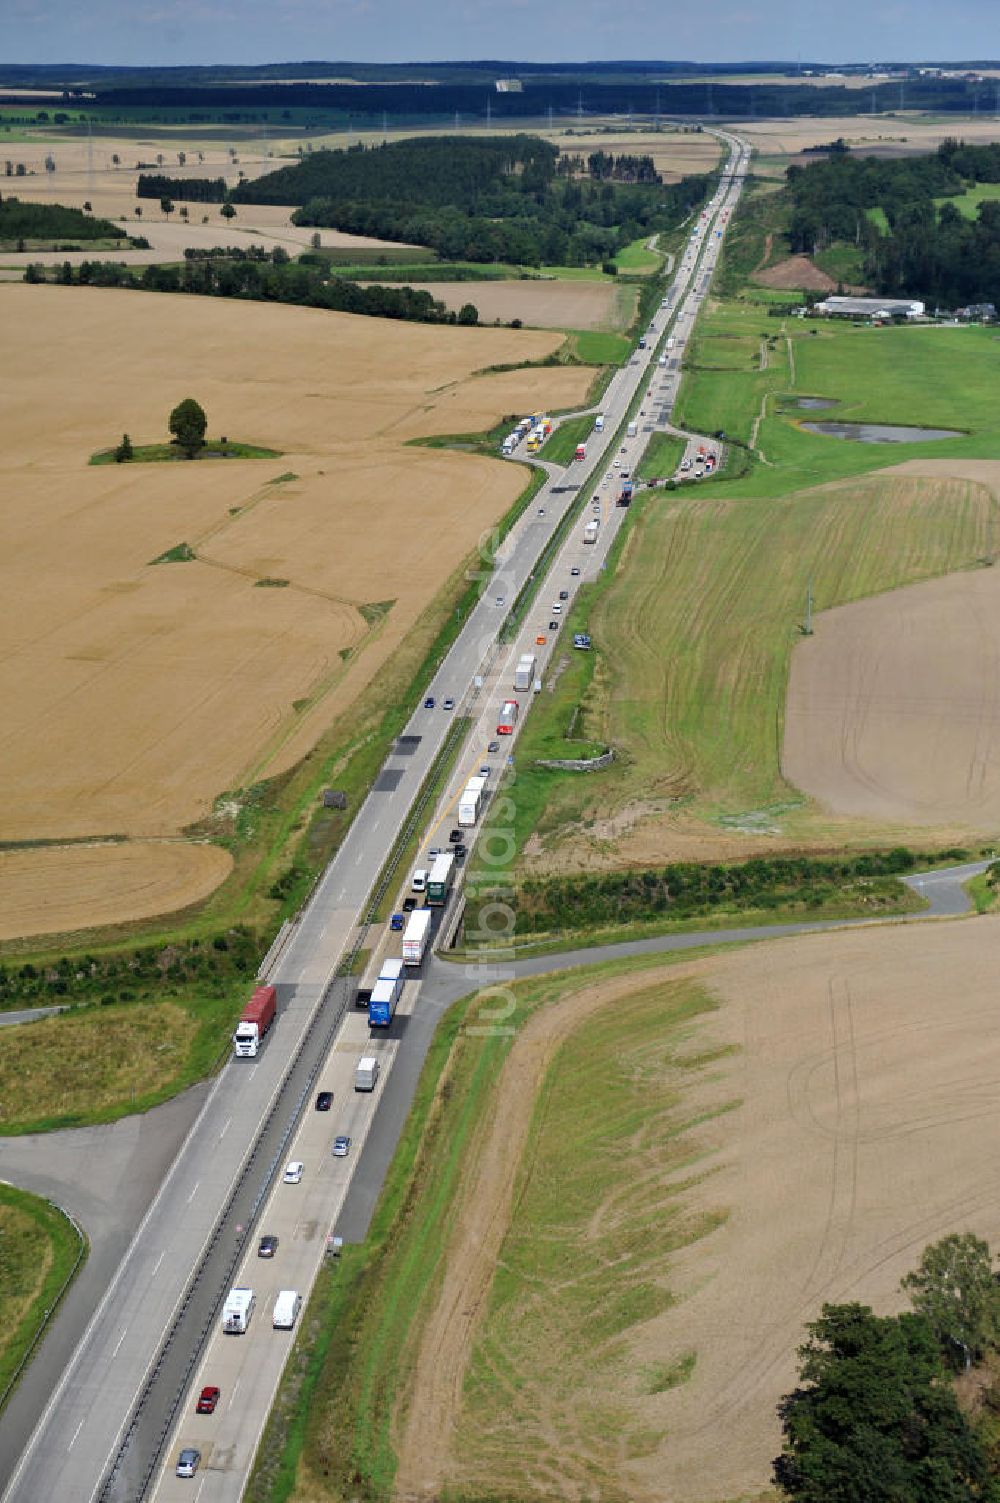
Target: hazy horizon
(186, 32)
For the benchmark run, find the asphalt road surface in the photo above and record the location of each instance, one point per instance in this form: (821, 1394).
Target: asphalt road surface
(117, 1398)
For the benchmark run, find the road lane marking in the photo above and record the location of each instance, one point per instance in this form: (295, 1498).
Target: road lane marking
(156, 1265)
(225, 1129)
(120, 1340)
(236, 1388)
(75, 1434)
(194, 1191)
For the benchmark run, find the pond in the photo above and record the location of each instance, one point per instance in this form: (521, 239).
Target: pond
(814, 404)
(881, 433)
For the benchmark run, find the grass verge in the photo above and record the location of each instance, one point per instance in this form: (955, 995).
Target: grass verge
(40, 1253)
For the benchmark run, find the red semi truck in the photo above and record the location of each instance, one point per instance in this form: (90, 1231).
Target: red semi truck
(255, 1020)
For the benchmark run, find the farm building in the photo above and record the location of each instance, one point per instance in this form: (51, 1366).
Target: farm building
(871, 307)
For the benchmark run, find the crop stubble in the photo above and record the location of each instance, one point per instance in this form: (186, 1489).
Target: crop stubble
(136, 694)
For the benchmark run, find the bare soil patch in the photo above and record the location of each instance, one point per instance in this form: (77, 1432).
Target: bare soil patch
(893, 708)
(59, 889)
(546, 305)
(861, 1064)
(138, 693)
(796, 272)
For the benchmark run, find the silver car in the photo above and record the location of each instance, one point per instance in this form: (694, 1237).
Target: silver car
(188, 1462)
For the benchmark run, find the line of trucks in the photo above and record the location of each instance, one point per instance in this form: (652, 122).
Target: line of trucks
(535, 429)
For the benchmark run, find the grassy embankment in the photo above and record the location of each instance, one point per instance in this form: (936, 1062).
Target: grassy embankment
(40, 1250)
(332, 1432)
(696, 616)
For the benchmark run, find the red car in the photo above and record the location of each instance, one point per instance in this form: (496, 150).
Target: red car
(207, 1400)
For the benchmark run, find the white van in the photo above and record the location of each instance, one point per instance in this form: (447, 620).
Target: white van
(419, 882)
(599, 423)
(633, 429)
(366, 1073)
(286, 1309)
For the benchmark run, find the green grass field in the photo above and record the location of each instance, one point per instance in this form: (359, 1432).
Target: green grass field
(638, 258)
(661, 456)
(967, 203)
(169, 453)
(599, 346)
(693, 629)
(39, 1251)
(561, 446)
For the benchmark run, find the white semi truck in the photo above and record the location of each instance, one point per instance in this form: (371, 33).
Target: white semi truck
(416, 936)
(524, 673)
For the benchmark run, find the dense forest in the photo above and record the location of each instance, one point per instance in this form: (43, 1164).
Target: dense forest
(928, 249)
(275, 281)
(483, 199)
(20, 221)
(192, 190)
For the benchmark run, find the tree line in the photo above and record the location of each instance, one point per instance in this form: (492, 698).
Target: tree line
(268, 282)
(875, 1415)
(484, 199)
(29, 221)
(196, 190)
(929, 248)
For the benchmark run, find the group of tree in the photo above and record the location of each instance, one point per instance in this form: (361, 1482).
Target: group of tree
(875, 1418)
(271, 281)
(197, 190)
(30, 221)
(928, 248)
(477, 199)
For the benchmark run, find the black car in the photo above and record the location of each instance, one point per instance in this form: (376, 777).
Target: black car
(324, 1101)
(409, 904)
(494, 746)
(267, 1247)
(429, 702)
(455, 838)
(461, 851)
(553, 626)
(564, 594)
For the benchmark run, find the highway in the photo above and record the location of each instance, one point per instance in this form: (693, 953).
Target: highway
(155, 1336)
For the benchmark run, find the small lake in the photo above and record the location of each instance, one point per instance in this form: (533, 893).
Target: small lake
(814, 404)
(881, 433)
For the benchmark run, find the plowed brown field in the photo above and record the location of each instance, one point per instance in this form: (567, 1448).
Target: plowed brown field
(862, 1068)
(136, 694)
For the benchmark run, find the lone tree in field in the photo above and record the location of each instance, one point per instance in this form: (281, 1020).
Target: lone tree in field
(188, 423)
(874, 1418)
(124, 451)
(227, 211)
(954, 1290)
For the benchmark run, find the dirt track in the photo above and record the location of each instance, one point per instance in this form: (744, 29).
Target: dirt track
(865, 1067)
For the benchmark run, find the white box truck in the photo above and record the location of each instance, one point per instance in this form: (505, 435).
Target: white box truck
(470, 802)
(286, 1309)
(632, 430)
(591, 530)
(237, 1310)
(366, 1073)
(524, 673)
(416, 936)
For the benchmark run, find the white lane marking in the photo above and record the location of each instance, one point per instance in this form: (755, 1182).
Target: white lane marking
(156, 1265)
(201, 1484)
(232, 1400)
(75, 1434)
(194, 1191)
(225, 1129)
(120, 1340)
(253, 1072)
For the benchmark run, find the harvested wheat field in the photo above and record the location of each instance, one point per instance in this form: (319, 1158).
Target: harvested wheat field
(799, 1119)
(866, 134)
(137, 692)
(893, 708)
(65, 888)
(545, 305)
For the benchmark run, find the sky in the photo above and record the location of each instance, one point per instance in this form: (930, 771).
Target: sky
(258, 31)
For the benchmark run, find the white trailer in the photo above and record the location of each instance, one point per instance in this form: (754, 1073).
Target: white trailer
(591, 530)
(470, 802)
(366, 1073)
(416, 936)
(286, 1309)
(524, 673)
(237, 1310)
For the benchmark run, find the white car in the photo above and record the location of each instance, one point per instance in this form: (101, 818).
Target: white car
(293, 1172)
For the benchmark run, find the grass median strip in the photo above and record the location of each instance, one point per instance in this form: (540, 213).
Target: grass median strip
(40, 1251)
